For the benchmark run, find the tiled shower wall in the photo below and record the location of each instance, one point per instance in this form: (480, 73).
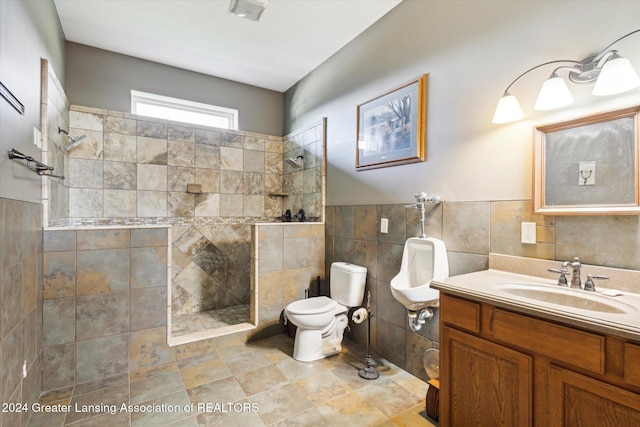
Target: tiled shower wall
(470, 230)
(133, 167)
(211, 267)
(20, 305)
(54, 111)
(104, 303)
(304, 185)
(287, 259)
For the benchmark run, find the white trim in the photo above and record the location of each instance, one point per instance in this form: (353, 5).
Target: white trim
(227, 118)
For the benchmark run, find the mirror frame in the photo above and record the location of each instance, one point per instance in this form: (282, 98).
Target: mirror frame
(540, 176)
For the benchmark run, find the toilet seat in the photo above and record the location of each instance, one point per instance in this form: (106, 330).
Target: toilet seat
(315, 305)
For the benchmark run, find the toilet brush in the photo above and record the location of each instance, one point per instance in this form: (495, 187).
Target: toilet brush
(368, 373)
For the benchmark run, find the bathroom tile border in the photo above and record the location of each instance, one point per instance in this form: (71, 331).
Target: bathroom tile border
(71, 223)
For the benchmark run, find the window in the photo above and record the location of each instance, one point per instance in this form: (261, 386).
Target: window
(181, 110)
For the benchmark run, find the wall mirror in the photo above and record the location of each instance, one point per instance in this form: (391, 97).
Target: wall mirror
(588, 166)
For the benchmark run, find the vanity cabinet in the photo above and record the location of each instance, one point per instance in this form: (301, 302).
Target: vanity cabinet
(487, 384)
(503, 368)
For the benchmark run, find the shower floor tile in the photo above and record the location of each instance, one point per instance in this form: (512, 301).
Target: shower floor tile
(254, 384)
(186, 324)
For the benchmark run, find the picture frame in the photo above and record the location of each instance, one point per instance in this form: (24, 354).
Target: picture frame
(589, 165)
(391, 128)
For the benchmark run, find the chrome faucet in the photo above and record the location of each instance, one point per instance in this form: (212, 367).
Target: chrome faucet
(575, 276)
(563, 271)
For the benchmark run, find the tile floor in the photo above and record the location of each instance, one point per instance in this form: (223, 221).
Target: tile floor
(186, 324)
(251, 385)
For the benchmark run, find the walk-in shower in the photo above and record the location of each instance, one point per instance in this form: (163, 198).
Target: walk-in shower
(211, 287)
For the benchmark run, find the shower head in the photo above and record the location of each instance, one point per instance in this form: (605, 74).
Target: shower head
(294, 162)
(73, 141)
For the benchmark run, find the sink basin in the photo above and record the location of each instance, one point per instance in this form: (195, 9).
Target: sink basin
(574, 298)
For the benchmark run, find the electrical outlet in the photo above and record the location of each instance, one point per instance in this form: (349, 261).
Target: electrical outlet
(384, 225)
(528, 233)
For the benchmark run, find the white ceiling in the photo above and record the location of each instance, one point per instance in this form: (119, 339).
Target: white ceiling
(292, 38)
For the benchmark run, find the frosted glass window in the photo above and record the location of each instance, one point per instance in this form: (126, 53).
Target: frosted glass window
(181, 110)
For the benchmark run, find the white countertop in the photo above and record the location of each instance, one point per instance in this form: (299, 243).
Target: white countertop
(481, 286)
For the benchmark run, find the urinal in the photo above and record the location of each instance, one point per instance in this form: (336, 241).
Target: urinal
(424, 259)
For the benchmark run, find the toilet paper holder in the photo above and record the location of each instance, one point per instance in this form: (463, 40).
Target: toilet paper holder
(359, 316)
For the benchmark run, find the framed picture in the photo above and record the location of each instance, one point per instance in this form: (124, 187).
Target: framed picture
(392, 127)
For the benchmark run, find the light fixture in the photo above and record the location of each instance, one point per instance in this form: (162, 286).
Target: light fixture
(508, 109)
(553, 94)
(617, 76)
(249, 9)
(611, 73)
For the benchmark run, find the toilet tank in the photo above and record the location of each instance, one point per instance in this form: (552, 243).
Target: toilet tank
(347, 283)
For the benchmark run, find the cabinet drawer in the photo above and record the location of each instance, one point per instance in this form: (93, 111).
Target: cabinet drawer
(632, 364)
(461, 313)
(578, 348)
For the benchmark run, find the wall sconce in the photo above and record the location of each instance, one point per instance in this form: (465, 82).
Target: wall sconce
(611, 73)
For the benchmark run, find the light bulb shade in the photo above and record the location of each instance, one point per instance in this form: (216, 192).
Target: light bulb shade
(617, 76)
(508, 109)
(553, 94)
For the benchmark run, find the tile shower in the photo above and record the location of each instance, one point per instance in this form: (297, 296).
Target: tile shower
(125, 239)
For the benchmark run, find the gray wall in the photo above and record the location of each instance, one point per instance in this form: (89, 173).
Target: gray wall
(102, 79)
(471, 50)
(28, 31)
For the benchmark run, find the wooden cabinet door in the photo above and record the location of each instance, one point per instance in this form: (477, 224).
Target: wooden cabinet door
(577, 400)
(482, 383)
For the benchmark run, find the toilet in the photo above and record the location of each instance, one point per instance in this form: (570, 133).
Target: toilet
(321, 320)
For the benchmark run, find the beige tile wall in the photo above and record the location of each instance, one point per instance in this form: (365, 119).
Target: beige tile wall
(136, 167)
(286, 260)
(210, 267)
(54, 115)
(133, 167)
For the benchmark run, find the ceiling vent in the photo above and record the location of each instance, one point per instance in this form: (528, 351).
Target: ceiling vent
(249, 9)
